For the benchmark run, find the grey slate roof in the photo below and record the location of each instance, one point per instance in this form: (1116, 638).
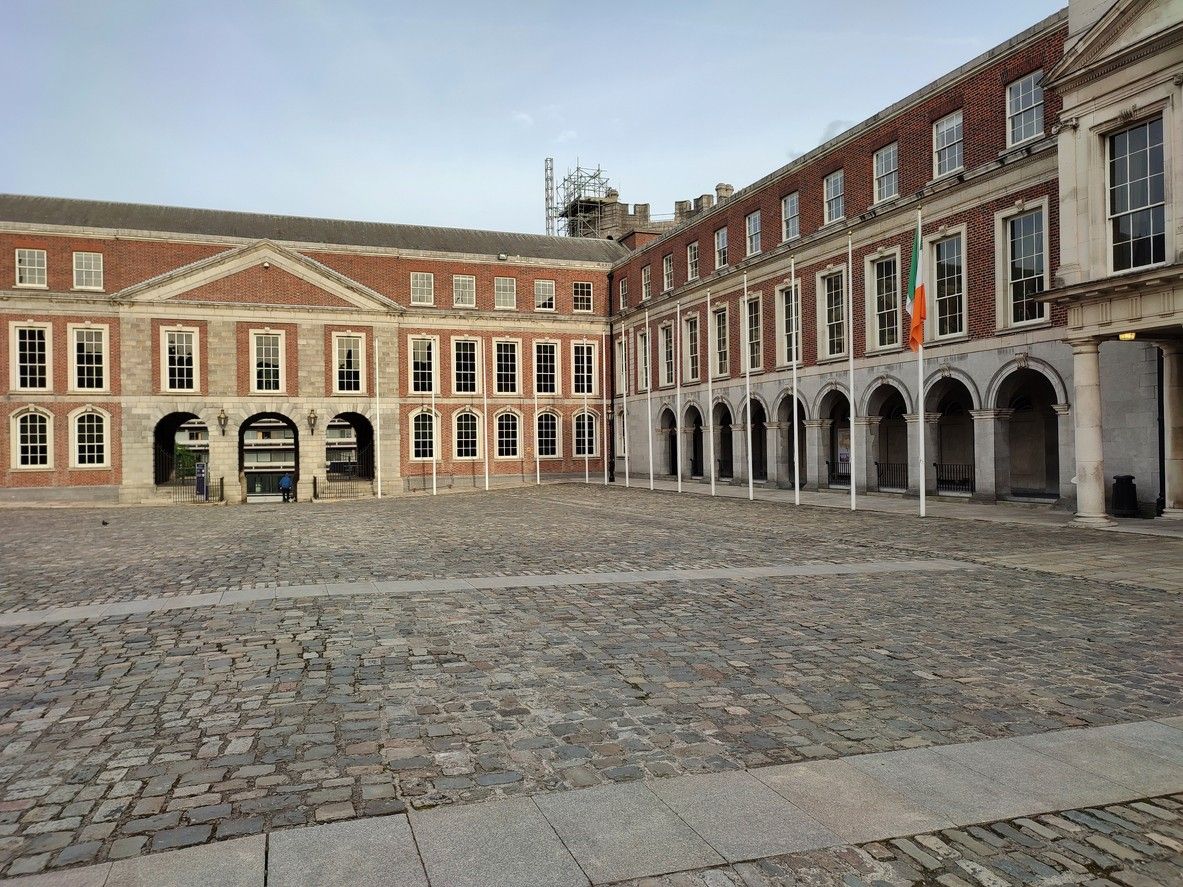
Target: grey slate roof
(299, 229)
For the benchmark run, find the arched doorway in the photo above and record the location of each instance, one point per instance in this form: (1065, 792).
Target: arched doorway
(724, 454)
(758, 439)
(1033, 441)
(889, 445)
(669, 431)
(954, 457)
(835, 408)
(349, 456)
(791, 459)
(268, 448)
(694, 423)
(180, 442)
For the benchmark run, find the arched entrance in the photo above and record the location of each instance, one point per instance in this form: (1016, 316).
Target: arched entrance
(954, 456)
(694, 423)
(835, 408)
(268, 448)
(180, 442)
(1033, 441)
(724, 454)
(349, 456)
(669, 431)
(758, 439)
(889, 445)
(785, 420)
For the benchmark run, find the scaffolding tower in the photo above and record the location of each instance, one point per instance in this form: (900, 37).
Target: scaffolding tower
(581, 198)
(550, 197)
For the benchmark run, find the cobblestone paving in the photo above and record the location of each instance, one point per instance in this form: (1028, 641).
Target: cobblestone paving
(133, 734)
(1126, 845)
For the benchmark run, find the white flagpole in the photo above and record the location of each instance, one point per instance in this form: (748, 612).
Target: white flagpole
(627, 380)
(485, 411)
(537, 450)
(678, 391)
(746, 351)
(435, 431)
(587, 435)
(377, 417)
(604, 404)
(649, 394)
(708, 317)
(796, 312)
(920, 366)
(850, 359)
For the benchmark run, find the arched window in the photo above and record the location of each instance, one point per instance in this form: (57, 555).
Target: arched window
(548, 434)
(423, 436)
(32, 441)
(507, 436)
(90, 439)
(466, 435)
(585, 434)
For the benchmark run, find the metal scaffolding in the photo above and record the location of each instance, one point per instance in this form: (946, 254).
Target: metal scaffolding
(581, 198)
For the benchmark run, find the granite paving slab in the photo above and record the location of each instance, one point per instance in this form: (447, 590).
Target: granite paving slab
(237, 863)
(377, 852)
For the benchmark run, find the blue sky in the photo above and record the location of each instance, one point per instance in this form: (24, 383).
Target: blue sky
(442, 113)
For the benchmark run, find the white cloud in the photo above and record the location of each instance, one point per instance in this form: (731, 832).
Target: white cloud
(523, 118)
(567, 135)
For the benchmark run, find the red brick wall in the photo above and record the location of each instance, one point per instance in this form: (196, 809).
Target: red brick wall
(61, 475)
(60, 345)
(264, 286)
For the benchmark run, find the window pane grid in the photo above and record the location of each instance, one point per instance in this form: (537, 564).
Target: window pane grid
(835, 315)
(1136, 196)
(721, 248)
(692, 348)
(755, 333)
(507, 367)
(30, 267)
(887, 303)
(544, 295)
(585, 435)
(583, 376)
(947, 143)
(32, 355)
(548, 434)
(950, 289)
(507, 435)
(791, 213)
(88, 270)
(887, 172)
(33, 441)
(267, 362)
(835, 186)
(463, 291)
(349, 363)
(1026, 267)
(667, 355)
(792, 311)
(692, 261)
(422, 366)
(646, 285)
(505, 292)
(466, 436)
(180, 348)
(753, 230)
(423, 434)
(643, 361)
(464, 367)
(90, 439)
(422, 288)
(1025, 107)
(722, 359)
(581, 296)
(89, 345)
(545, 381)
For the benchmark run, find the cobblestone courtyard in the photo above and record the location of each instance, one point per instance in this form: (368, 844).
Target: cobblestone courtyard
(127, 734)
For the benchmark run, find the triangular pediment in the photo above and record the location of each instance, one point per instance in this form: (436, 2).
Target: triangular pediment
(260, 273)
(1128, 30)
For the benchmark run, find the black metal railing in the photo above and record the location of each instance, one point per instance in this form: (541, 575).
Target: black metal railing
(342, 483)
(954, 478)
(892, 475)
(838, 474)
(185, 490)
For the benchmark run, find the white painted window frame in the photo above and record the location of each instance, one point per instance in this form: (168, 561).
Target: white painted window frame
(517, 367)
(507, 411)
(878, 175)
(936, 173)
(88, 287)
(75, 415)
(595, 367)
(477, 363)
(163, 345)
(751, 224)
(500, 291)
(692, 261)
(1002, 220)
(43, 268)
(834, 188)
(667, 272)
(791, 201)
(721, 254)
(870, 297)
(435, 363)
(783, 352)
(435, 435)
(593, 437)
(254, 359)
(419, 281)
(540, 296)
(558, 352)
(14, 438)
(930, 283)
(824, 354)
(1011, 113)
(363, 358)
(13, 356)
(467, 411)
(558, 453)
(460, 287)
(72, 330)
(591, 297)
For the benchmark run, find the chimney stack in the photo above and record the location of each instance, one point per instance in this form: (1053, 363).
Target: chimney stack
(723, 191)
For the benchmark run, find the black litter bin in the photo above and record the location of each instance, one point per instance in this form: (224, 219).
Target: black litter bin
(1125, 496)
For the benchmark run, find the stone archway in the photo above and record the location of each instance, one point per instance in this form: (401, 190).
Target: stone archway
(758, 438)
(1030, 463)
(953, 453)
(725, 451)
(694, 424)
(268, 448)
(834, 411)
(349, 456)
(669, 431)
(180, 441)
(887, 446)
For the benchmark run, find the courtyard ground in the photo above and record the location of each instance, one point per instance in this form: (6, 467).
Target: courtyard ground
(176, 676)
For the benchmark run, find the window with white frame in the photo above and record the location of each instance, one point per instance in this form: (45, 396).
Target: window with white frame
(581, 296)
(667, 273)
(464, 366)
(90, 439)
(507, 435)
(722, 350)
(180, 360)
(547, 437)
(465, 436)
(88, 271)
(32, 440)
(667, 355)
(89, 355)
(643, 361)
(505, 292)
(585, 434)
(887, 172)
(583, 368)
(463, 291)
(621, 366)
(1137, 193)
(422, 288)
(546, 371)
(790, 215)
(692, 261)
(885, 279)
(31, 344)
(506, 367)
(423, 435)
(790, 309)
(691, 333)
(623, 293)
(947, 145)
(1025, 266)
(755, 334)
(752, 228)
(835, 314)
(1024, 108)
(835, 196)
(646, 283)
(268, 352)
(950, 286)
(30, 267)
(350, 357)
(721, 248)
(544, 295)
(422, 366)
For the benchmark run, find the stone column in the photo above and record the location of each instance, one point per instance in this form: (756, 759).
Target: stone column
(312, 454)
(772, 447)
(817, 451)
(1067, 448)
(929, 430)
(862, 472)
(1172, 410)
(223, 458)
(988, 439)
(1090, 455)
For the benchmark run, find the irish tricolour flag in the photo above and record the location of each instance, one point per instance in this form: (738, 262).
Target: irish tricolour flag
(916, 308)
